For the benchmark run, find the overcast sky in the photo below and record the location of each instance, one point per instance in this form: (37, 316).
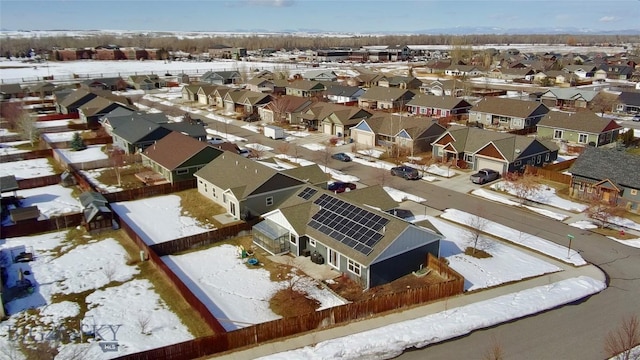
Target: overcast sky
(324, 15)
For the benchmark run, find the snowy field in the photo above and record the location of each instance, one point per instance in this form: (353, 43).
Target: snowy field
(16, 70)
(27, 169)
(98, 270)
(61, 136)
(506, 264)
(236, 294)
(494, 196)
(517, 237)
(158, 219)
(92, 152)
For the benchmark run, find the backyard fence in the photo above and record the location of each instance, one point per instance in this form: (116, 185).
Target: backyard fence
(188, 295)
(272, 330)
(35, 154)
(30, 227)
(149, 191)
(203, 239)
(551, 172)
(39, 181)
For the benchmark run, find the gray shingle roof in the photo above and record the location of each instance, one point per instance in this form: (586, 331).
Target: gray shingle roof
(585, 121)
(600, 164)
(508, 107)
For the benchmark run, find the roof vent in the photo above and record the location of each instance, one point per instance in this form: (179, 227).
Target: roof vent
(236, 162)
(517, 151)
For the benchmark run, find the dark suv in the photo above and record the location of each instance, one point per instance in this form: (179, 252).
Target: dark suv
(406, 172)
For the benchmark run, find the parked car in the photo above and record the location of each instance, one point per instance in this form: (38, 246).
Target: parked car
(340, 186)
(216, 140)
(341, 156)
(636, 118)
(484, 176)
(406, 172)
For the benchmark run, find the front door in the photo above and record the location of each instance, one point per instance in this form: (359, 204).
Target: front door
(605, 196)
(332, 256)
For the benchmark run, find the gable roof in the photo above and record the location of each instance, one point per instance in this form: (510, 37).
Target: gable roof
(341, 90)
(241, 176)
(92, 197)
(175, 148)
(311, 174)
(570, 93)
(24, 213)
(290, 103)
(471, 139)
(11, 89)
(306, 85)
(392, 124)
(600, 164)
(381, 93)
(630, 98)
(440, 102)
(374, 196)
(585, 121)
(509, 107)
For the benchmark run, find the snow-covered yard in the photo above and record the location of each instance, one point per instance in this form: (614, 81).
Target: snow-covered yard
(236, 294)
(494, 196)
(544, 195)
(92, 152)
(517, 237)
(27, 169)
(67, 271)
(52, 200)
(158, 219)
(401, 196)
(506, 263)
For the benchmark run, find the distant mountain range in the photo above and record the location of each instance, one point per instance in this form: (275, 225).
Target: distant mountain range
(316, 32)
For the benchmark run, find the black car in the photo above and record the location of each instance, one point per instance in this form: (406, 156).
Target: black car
(484, 176)
(340, 186)
(406, 172)
(341, 156)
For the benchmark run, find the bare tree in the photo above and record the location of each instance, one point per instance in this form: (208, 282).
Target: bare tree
(284, 148)
(279, 106)
(117, 161)
(109, 271)
(494, 352)
(604, 212)
(603, 102)
(144, 321)
(26, 124)
(476, 226)
(619, 342)
(382, 175)
(11, 112)
(324, 155)
(524, 186)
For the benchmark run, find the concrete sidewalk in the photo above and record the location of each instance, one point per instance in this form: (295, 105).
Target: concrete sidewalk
(417, 312)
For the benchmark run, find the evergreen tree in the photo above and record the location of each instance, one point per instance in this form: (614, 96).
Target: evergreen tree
(77, 143)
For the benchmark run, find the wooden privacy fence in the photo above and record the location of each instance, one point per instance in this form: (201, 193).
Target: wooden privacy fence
(188, 295)
(563, 165)
(272, 330)
(39, 181)
(550, 175)
(35, 154)
(199, 240)
(149, 191)
(30, 227)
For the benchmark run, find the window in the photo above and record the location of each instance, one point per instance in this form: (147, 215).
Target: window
(583, 138)
(468, 158)
(547, 157)
(353, 267)
(182, 171)
(270, 201)
(589, 189)
(517, 163)
(557, 134)
(293, 239)
(224, 198)
(633, 192)
(478, 117)
(581, 187)
(539, 159)
(312, 242)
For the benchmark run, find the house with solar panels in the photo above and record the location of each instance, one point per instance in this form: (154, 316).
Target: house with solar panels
(370, 246)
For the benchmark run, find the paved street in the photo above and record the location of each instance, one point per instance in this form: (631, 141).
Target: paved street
(575, 331)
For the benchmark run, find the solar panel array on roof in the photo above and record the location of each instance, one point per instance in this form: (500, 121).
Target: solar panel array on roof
(353, 226)
(307, 193)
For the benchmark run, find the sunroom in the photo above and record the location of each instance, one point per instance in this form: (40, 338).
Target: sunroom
(271, 237)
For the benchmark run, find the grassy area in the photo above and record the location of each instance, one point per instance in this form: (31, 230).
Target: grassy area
(197, 206)
(127, 177)
(614, 233)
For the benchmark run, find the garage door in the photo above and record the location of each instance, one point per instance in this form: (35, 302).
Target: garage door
(482, 163)
(361, 138)
(326, 128)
